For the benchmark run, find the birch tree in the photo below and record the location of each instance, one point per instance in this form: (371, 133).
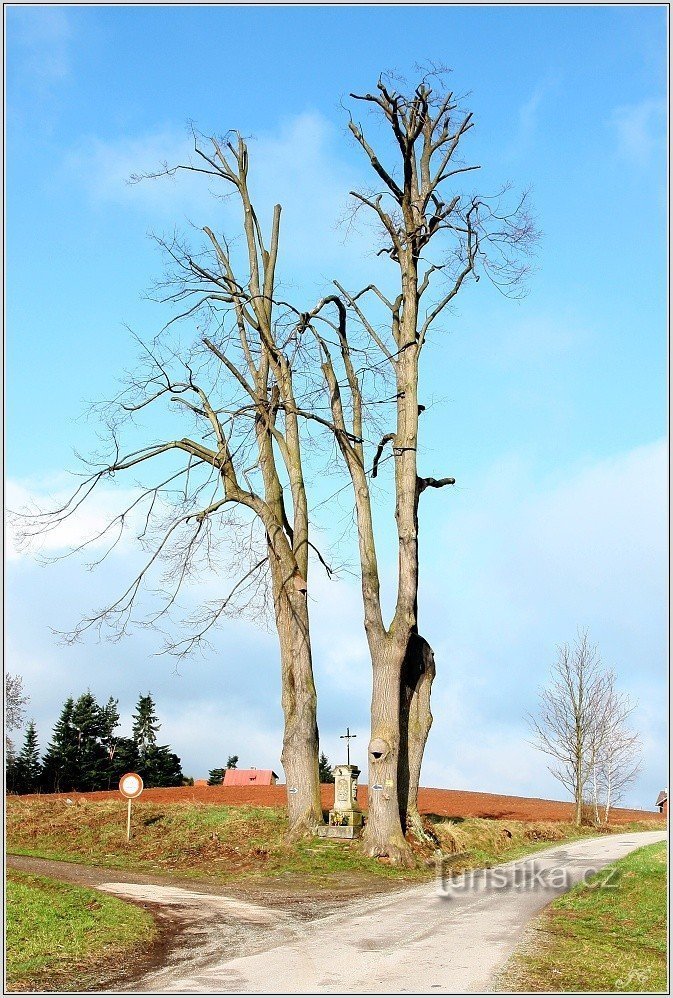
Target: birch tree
(616, 755)
(569, 717)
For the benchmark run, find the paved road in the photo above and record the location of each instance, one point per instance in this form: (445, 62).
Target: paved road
(420, 940)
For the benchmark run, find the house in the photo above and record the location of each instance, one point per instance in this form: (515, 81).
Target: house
(662, 802)
(249, 778)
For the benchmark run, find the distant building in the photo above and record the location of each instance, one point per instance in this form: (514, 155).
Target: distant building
(200, 783)
(662, 802)
(249, 778)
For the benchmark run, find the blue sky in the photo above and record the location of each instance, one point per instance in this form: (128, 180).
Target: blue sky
(550, 411)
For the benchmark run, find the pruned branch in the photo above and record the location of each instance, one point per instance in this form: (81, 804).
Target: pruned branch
(379, 451)
(434, 483)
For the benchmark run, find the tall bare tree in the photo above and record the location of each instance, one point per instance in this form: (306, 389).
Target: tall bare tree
(436, 235)
(616, 749)
(15, 702)
(15, 709)
(236, 386)
(570, 714)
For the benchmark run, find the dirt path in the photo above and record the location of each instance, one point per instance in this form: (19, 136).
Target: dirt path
(416, 941)
(199, 922)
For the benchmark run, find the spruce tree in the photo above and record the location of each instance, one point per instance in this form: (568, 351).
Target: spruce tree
(145, 724)
(324, 769)
(59, 768)
(161, 768)
(87, 720)
(109, 741)
(124, 760)
(28, 768)
(10, 766)
(158, 766)
(215, 777)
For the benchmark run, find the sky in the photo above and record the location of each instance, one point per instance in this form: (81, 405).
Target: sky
(550, 411)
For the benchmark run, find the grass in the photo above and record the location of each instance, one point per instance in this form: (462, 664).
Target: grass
(225, 843)
(63, 936)
(598, 938)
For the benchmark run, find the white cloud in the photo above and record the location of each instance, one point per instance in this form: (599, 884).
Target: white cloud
(104, 167)
(641, 131)
(89, 521)
(301, 165)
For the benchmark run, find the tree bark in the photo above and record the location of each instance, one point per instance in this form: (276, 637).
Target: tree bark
(383, 835)
(418, 673)
(299, 702)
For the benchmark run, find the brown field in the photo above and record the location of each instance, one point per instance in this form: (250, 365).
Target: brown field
(444, 803)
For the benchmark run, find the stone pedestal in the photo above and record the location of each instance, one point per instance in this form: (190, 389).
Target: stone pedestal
(345, 818)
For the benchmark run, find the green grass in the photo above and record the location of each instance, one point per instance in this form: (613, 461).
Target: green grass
(63, 936)
(225, 843)
(198, 841)
(598, 938)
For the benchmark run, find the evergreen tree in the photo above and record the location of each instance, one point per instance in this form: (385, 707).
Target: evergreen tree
(232, 762)
(109, 741)
(92, 759)
(124, 760)
(28, 768)
(324, 769)
(215, 777)
(10, 766)
(145, 724)
(159, 767)
(59, 768)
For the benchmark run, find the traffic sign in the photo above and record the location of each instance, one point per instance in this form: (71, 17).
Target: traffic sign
(131, 786)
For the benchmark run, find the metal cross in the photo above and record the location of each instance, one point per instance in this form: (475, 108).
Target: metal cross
(348, 737)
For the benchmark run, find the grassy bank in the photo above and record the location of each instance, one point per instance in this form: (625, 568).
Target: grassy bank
(59, 936)
(600, 938)
(227, 843)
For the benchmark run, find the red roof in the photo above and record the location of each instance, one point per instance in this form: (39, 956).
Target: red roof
(249, 777)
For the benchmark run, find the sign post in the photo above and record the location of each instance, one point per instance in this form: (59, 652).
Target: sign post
(130, 786)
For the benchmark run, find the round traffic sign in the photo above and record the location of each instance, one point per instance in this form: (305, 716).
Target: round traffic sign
(131, 785)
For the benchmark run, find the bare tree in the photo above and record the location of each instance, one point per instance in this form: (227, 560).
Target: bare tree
(15, 702)
(15, 712)
(236, 388)
(569, 717)
(420, 207)
(616, 750)
(260, 344)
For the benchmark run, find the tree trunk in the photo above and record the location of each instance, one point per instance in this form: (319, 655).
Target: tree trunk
(418, 673)
(383, 835)
(608, 800)
(299, 703)
(597, 817)
(578, 805)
